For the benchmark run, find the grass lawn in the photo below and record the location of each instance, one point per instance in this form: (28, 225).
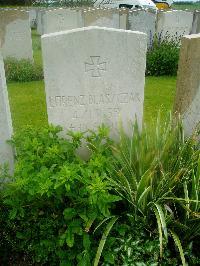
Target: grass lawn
(159, 97)
(27, 104)
(190, 6)
(36, 43)
(28, 107)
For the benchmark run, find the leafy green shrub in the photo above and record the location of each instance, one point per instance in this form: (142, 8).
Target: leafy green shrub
(125, 205)
(163, 56)
(55, 197)
(22, 70)
(14, 2)
(130, 244)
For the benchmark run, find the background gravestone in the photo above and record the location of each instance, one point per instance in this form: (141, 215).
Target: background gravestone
(6, 154)
(15, 34)
(33, 17)
(39, 20)
(96, 82)
(187, 101)
(196, 22)
(123, 18)
(61, 19)
(101, 17)
(144, 21)
(174, 24)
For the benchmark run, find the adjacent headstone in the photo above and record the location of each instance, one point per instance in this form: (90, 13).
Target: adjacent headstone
(174, 24)
(187, 101)
(144, 21)
(99, 81)
(6, 153)
(123, 18)
(101, 17)
(15, 34)
(39, 21)
(61, 19)
(196, 22)
(33, 17)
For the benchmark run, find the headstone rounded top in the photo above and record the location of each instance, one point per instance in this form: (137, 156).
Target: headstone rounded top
(91, 28)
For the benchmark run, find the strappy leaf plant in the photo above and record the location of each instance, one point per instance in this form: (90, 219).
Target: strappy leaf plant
(157, 174)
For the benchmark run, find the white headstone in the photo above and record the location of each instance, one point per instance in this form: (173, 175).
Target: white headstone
(196, 22)
(94, 75)
(187, 102)
(144, 21)
(61, 19)
(33, 17)
(101, 17)
(15, 34)
(6, 154)
(123, 18)
(174, 23)
(39, 21)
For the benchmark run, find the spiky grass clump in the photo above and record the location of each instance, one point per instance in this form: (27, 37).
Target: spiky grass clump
(157, 174)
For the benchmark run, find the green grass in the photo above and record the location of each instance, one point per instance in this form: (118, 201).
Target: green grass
(28, 106)
(27, 99)
(159, 97)
(36, 42)
(190, 6)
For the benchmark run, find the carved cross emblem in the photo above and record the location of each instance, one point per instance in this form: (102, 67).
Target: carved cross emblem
(95, 67)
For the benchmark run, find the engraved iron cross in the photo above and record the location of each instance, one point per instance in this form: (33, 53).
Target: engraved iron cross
(95, 67)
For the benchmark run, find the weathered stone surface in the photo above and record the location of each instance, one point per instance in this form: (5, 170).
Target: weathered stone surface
(144, 21)
(6, 153)
(61, 19)
(101, 17)
(15, 34)
(33, 17)
(39, 21)
(99, 81)
(187, 102)
(123, 18)
(174, 24)
(196, 22)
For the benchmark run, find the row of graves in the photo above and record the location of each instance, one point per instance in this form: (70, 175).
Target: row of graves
(102, 81)
(16, 24)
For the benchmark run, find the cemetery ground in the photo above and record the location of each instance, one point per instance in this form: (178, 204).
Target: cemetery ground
(28, 104)
(135, 202)
(186, 5)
